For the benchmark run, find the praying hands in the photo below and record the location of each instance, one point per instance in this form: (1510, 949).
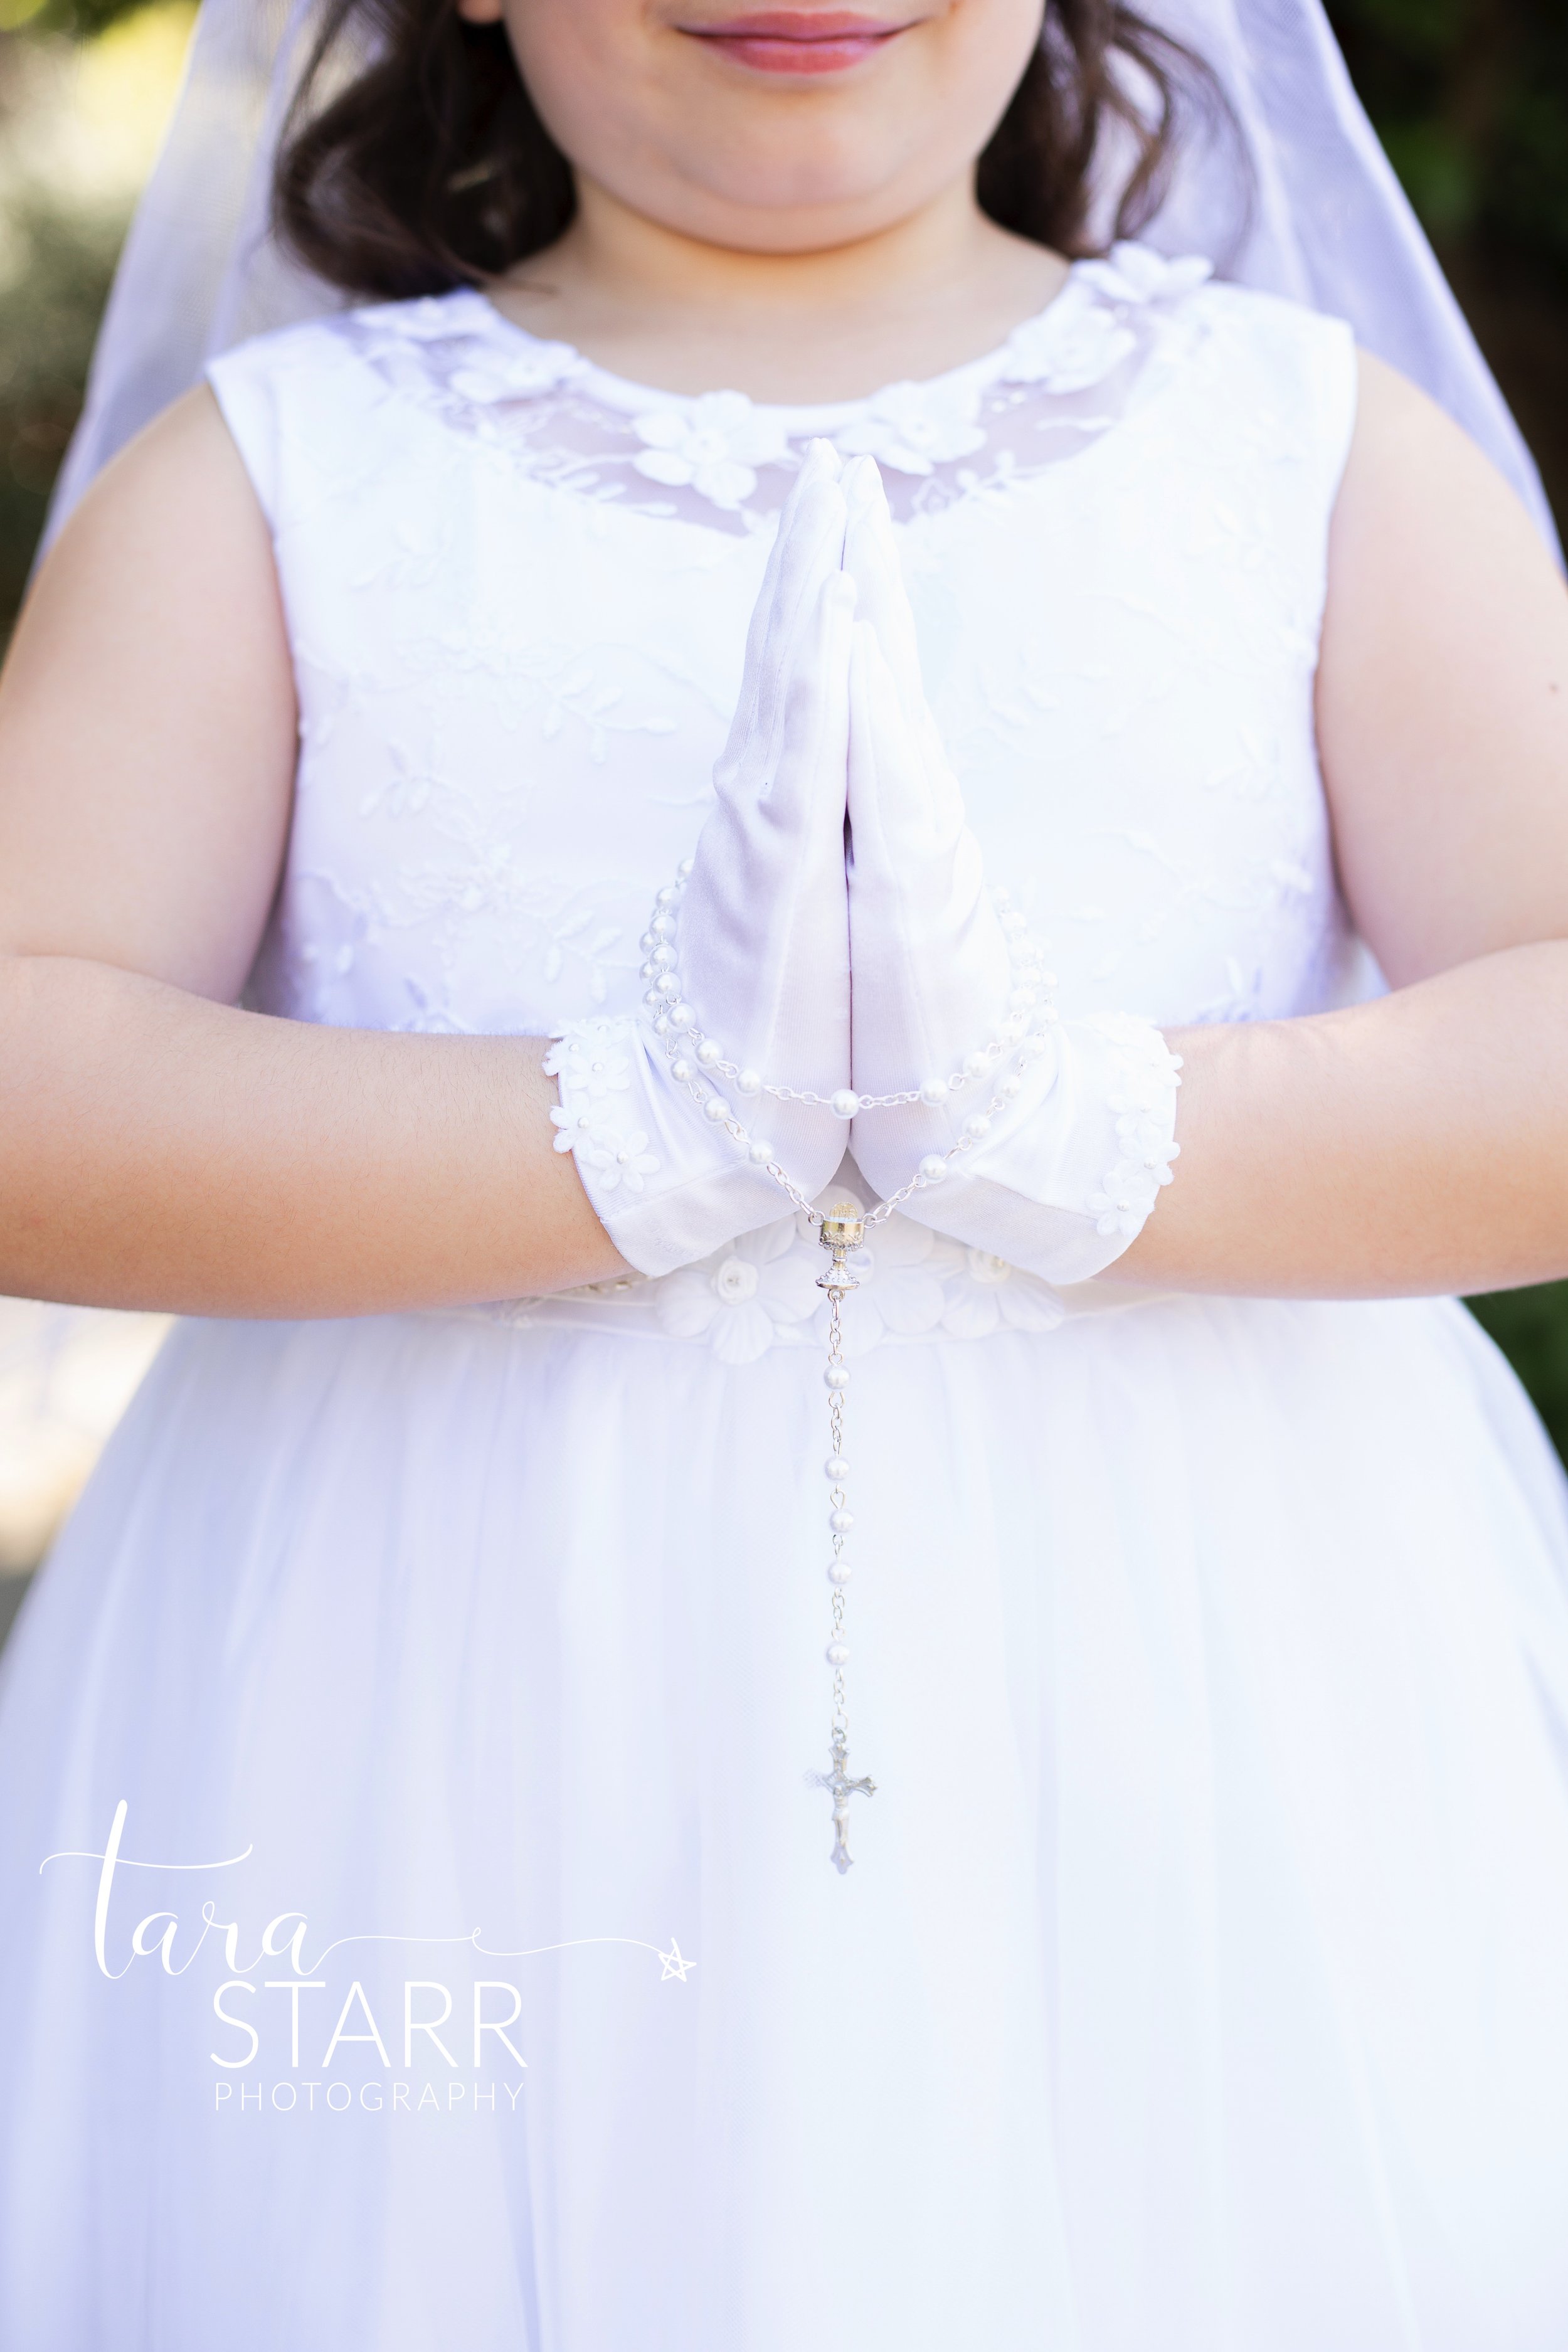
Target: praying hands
(832, 967)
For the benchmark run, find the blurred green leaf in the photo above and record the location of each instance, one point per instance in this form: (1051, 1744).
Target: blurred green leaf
(1418, 29)
(1471, 98)
(1530, 1327)
(1440, 171)
(79, 18)
(48, 316)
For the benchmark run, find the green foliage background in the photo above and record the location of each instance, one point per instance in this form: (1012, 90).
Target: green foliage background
(1471, 98)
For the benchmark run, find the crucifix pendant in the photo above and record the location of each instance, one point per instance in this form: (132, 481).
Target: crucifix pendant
(842, 1788)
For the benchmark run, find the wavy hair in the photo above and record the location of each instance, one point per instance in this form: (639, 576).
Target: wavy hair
(428, 167)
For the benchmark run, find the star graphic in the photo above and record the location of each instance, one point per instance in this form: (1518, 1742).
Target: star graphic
(674, 1964)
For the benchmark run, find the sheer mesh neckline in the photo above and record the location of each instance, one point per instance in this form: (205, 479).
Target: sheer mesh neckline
(1058, 382)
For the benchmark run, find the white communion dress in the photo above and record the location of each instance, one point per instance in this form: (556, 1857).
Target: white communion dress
(1201, 1984)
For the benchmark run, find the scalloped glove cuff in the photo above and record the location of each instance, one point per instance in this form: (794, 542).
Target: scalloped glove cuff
(668, 1184)
(1069, 1174)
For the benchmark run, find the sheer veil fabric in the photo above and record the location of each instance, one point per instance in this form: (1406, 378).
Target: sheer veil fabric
(1324, 222)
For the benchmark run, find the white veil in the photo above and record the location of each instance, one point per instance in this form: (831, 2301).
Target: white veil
(1328, 222)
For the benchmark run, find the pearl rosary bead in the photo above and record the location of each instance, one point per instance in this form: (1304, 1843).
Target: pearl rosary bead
(1020, 1038)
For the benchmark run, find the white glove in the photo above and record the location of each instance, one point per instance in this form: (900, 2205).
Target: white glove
(1063, 1129)
(748, 971)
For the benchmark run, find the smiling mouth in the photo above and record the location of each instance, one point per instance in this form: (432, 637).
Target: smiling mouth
(792, 41)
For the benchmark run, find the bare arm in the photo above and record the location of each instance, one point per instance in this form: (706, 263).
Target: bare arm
(157, 1147)
(1418, 1143)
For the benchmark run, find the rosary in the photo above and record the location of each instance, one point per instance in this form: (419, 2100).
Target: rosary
(698, 1063)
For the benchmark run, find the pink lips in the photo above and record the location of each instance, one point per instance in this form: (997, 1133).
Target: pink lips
(797, 41)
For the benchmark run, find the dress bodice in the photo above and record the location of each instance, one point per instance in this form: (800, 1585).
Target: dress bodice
(517, 588)
(518, 591)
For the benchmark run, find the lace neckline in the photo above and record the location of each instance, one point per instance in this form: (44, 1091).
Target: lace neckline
(1058, 382)
(1050, 340)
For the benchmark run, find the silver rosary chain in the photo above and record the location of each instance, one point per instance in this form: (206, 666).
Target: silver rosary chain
(842, 1228)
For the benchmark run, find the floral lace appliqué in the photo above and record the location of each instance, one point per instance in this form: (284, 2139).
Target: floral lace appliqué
(1146, 1075)
(715, 443)
(593, 1070)
(743, 1298)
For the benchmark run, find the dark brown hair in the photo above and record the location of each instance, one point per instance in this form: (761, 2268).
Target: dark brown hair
(428, 168)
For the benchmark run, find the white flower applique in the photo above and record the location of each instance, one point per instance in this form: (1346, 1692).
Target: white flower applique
(1074, 344)
(1146, 1076)
(593, 1065)
(1123, 1203)
(743, 1297)
(713, 444)
(987, 1293)
(1136, 273)
(914, 427)
(431, 318)
(517, 374)
(591, 1059)
(618, 1158)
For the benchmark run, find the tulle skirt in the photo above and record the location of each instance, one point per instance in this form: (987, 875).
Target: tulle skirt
(469, 1968)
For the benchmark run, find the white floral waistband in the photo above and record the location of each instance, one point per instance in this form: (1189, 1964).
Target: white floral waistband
(759, 1291)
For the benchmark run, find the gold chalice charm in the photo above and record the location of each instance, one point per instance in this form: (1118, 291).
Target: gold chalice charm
(843, 1230)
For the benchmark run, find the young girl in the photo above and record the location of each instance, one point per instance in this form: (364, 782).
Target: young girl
(449, 1896)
